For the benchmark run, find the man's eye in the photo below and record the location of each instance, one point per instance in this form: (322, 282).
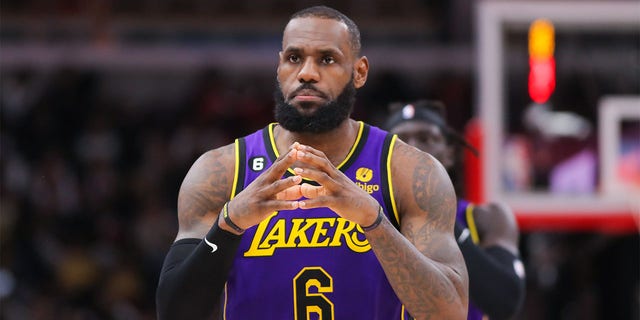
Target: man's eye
(435, 140)
(328, 60)
(428, 139)
(294, 58)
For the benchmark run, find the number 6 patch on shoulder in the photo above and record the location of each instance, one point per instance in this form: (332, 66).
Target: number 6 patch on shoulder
(257, 163)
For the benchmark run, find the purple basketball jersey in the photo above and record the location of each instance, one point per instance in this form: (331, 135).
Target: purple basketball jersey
(312, 264)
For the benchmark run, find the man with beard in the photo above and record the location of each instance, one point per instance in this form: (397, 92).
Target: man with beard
(317, 216)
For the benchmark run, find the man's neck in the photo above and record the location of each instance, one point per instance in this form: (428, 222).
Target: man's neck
(335, 144)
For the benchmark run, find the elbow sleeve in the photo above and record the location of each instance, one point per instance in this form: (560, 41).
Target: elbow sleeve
(193, 275)
(496, 280)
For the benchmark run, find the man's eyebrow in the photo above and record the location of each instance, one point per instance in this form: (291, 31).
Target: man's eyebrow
(323, 52)
(330, 52)
(292, 50)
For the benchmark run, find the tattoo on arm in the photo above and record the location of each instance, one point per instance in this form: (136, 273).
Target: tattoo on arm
(432, 194)
(206, 187)
(430, 294)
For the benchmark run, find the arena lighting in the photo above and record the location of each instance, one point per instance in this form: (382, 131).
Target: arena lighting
(542, 65)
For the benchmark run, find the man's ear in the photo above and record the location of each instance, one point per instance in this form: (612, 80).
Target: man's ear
(360, 72)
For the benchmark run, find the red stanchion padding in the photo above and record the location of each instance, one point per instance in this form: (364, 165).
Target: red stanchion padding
(473, 173)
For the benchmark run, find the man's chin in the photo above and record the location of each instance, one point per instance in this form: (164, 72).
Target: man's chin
(306, 107)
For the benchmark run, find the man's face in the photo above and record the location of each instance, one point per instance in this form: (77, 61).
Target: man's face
(427, 137)
(315, 75)
(325, 118)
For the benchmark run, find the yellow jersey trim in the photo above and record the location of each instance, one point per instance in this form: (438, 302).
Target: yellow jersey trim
(224, 308)
(394, 206)
(346, 159)
(471, 222)
(272, 139)
(236, 170)
(355, 144)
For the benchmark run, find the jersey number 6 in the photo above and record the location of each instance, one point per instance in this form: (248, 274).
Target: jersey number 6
(308, 288)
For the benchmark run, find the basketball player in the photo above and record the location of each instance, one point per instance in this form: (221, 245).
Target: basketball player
(317, 216)
(487, 234)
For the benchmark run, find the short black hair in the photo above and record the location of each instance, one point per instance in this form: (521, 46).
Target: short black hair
(325, 12)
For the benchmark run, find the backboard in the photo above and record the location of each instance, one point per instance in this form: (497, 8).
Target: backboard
(555, 163)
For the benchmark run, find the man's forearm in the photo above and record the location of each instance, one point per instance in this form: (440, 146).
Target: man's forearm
(428, 289)
(193, 274)
(494, 285)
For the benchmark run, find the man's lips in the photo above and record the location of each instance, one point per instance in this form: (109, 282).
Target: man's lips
(307, 98)
(307, 95)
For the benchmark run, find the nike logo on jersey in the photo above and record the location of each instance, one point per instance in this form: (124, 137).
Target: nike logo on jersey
(213, 246)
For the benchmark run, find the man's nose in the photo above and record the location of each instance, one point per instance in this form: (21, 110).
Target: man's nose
(309, 72)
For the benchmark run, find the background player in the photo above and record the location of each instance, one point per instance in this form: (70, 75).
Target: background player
(487, 234)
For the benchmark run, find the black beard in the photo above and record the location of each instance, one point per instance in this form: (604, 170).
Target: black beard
(324, 119)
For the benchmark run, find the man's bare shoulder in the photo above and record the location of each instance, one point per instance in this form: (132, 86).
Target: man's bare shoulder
(422, 187)
(403, 152)
(205, 189)
(409, 163)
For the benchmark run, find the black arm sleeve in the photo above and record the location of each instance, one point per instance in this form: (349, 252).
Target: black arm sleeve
(494, 285)
(193, 275)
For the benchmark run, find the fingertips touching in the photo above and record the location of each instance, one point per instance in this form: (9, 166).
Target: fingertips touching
(302, 172)
(296, 179)
(309, 173)
(308, 150)
(290, 193)
(287, 159)
(311, 203)
(310, 191)
(311, 150)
